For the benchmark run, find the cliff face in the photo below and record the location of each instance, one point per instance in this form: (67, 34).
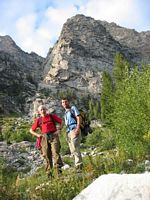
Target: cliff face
(28, 62)
(132, 40)
(85, 48)
(19, 76)
(83, 51)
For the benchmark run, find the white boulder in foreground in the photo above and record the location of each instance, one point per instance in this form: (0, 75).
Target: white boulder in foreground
(118, 187)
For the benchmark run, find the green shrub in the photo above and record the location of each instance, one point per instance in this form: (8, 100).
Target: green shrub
(7, 181)
(102, 138)
(94, 138)
(63, 141)
(15, 129)
(131, 114)
(108, 140)
(21, 135)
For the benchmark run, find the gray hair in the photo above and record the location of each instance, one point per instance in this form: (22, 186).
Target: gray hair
(42, 107)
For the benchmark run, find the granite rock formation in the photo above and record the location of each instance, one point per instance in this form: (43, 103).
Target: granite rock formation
(85, 48)
(20, 73)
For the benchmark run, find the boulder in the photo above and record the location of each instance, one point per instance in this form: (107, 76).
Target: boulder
(118, 187)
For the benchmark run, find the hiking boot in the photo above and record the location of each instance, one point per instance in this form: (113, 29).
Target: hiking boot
(50, 175)
(79, 168)
(57, 172)
(47, 167)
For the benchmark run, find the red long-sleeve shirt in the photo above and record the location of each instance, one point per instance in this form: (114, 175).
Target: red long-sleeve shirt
(47, 123)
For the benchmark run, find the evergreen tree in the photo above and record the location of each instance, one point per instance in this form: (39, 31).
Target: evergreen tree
(94, 109)
(121, 69)
(106, 97)
(91, 114)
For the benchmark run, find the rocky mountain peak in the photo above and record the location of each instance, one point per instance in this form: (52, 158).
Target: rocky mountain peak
(131, 39)
(8, 45)
(20, 74)
(6, 39)
(85, 48)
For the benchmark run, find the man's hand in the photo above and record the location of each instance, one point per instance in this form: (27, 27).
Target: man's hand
(57, 132)
(36, 134)
(39, 135)
(77, 130)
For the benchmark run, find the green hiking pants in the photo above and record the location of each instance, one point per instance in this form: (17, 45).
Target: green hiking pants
(51, 151)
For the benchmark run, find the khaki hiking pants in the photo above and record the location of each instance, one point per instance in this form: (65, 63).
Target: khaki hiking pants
(51, 152)
(74, 145)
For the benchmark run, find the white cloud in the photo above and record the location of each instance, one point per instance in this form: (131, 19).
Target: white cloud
(25, 31)
(57, 17)
(35, 25)
(117, 11)
(39, 38)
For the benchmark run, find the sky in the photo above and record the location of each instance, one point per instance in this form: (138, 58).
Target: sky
(35, 25)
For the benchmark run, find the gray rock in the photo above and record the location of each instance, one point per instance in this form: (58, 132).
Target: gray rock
(19, 74)
(85, 48)
(21, 156)
(118, 187)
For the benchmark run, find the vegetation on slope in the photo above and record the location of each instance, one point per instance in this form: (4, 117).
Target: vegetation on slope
(122, 140)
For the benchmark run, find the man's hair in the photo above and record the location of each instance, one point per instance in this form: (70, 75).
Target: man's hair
(42, 107)
(65, 98)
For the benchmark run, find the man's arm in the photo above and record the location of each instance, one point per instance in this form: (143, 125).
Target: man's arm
(77, 130)
(61, 125)
(34, 133)
(34, 127)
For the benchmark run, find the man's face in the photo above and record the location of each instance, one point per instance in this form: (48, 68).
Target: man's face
(65, 103)
(42, 111)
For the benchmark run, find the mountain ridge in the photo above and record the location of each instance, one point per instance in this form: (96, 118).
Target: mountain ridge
(83, 51)
(85, 48)
(20, 74)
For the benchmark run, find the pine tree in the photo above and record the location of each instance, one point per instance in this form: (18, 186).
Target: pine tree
(106, 97)
(94, 109)
(121, 69)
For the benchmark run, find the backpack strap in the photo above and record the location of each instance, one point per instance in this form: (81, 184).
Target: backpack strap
(40, 121)
(73, 116)
(82, 118)
(51, 117)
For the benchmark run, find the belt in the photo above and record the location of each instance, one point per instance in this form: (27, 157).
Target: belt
(49, 132)
(49, 136)
(70, 129)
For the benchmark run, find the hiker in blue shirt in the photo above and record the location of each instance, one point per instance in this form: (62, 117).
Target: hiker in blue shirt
(72, 121)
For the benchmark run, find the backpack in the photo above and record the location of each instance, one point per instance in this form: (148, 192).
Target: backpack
(85, 123)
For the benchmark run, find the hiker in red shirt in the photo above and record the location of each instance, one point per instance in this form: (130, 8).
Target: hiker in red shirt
(50, 144)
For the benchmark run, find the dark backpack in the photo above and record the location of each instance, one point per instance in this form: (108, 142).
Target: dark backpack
(85, 123)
